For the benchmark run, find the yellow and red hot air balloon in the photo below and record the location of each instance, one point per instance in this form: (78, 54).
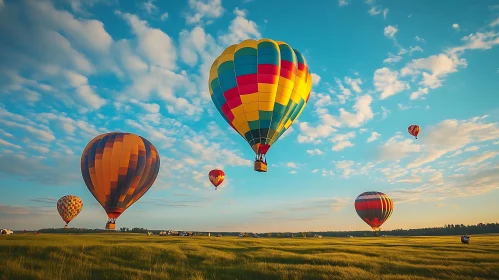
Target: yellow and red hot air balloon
(414, 130)
(216, 177)
(260, 87)
(118, 169)
(374, 208)
(69, 206)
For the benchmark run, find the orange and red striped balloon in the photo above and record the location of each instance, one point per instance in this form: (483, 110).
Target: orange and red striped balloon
(216, 177)
(374, 208)
(118, 169)
(414, 130)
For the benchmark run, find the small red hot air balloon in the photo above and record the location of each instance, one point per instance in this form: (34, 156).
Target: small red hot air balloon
(414, 130)
(216, 177)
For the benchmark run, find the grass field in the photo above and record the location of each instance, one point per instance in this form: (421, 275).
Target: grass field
(130, 256)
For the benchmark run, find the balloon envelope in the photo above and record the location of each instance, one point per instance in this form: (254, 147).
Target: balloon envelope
(69, 206)
(118, 169)
(216, 177)
(374, 208)
(414, 130)
(260, 88)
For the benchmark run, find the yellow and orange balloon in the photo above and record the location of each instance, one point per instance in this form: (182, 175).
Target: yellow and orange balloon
(260, 87)
(69, 206)
(118, 169)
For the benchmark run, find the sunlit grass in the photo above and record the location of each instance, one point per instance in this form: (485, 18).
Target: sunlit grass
(133, 256)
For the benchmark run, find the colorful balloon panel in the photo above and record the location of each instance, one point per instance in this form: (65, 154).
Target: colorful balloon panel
(260, 88)
(216, 177)
(69, 206)
(414, 130)
(118, 169)
(374, 208)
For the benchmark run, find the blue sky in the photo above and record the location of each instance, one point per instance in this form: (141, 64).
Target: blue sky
(72, 69)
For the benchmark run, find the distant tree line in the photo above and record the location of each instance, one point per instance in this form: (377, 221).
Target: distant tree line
(450, 229)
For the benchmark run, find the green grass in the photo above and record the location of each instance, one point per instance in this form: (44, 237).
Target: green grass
(131, 256)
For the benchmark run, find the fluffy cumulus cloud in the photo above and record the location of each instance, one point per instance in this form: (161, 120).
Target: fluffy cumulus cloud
(374, 136)
(390, 31)
(204, 9)
(388, 83)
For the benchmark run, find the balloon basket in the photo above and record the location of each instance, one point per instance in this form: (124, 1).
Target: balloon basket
(110, 226)
(260, 166)
(66, 226)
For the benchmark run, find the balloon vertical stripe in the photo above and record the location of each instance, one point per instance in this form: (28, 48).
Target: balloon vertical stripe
(260, 87)
(118, 169)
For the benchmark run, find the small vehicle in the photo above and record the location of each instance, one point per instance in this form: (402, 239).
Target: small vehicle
(465, 239)
(6, 231)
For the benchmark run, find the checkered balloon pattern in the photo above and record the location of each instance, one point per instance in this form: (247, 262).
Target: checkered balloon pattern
(69, 206)
(260, 87)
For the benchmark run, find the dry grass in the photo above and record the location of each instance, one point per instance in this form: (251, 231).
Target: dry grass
(130, 256)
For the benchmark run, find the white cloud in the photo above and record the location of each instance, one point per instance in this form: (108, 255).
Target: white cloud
(479, 158)
(472, 149)
(211, 9)
(415, 49)
(153, 44)
(387, 82)
(311, 134)
(390, 31)
(322, 100)
(451, 135)
(149, 7)
(418, 93)
(43, 133)
(164, 16)
(345, 166)
(292, 172)
(149, 107)
(84, 91)
(397, 147)
(373, 137)
(439, 65)
(411, 179)
(477, 41)
(455, 26)
(315, 79)
(291, 165)
(240, 29)
(342, 145)
(342, 141)
(392, 58)
(363, 112)
(315, 152)
(342, 3)
(376, 10)
(354, 84)
(8, 144)
(345, 91)
(385, 112)
(419, 39)
(494, 23)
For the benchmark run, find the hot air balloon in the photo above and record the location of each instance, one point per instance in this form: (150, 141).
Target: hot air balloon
(69, 206)
(118, 169)
(374, 208)
(414, 130)
(216, 177)
(260, 88)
